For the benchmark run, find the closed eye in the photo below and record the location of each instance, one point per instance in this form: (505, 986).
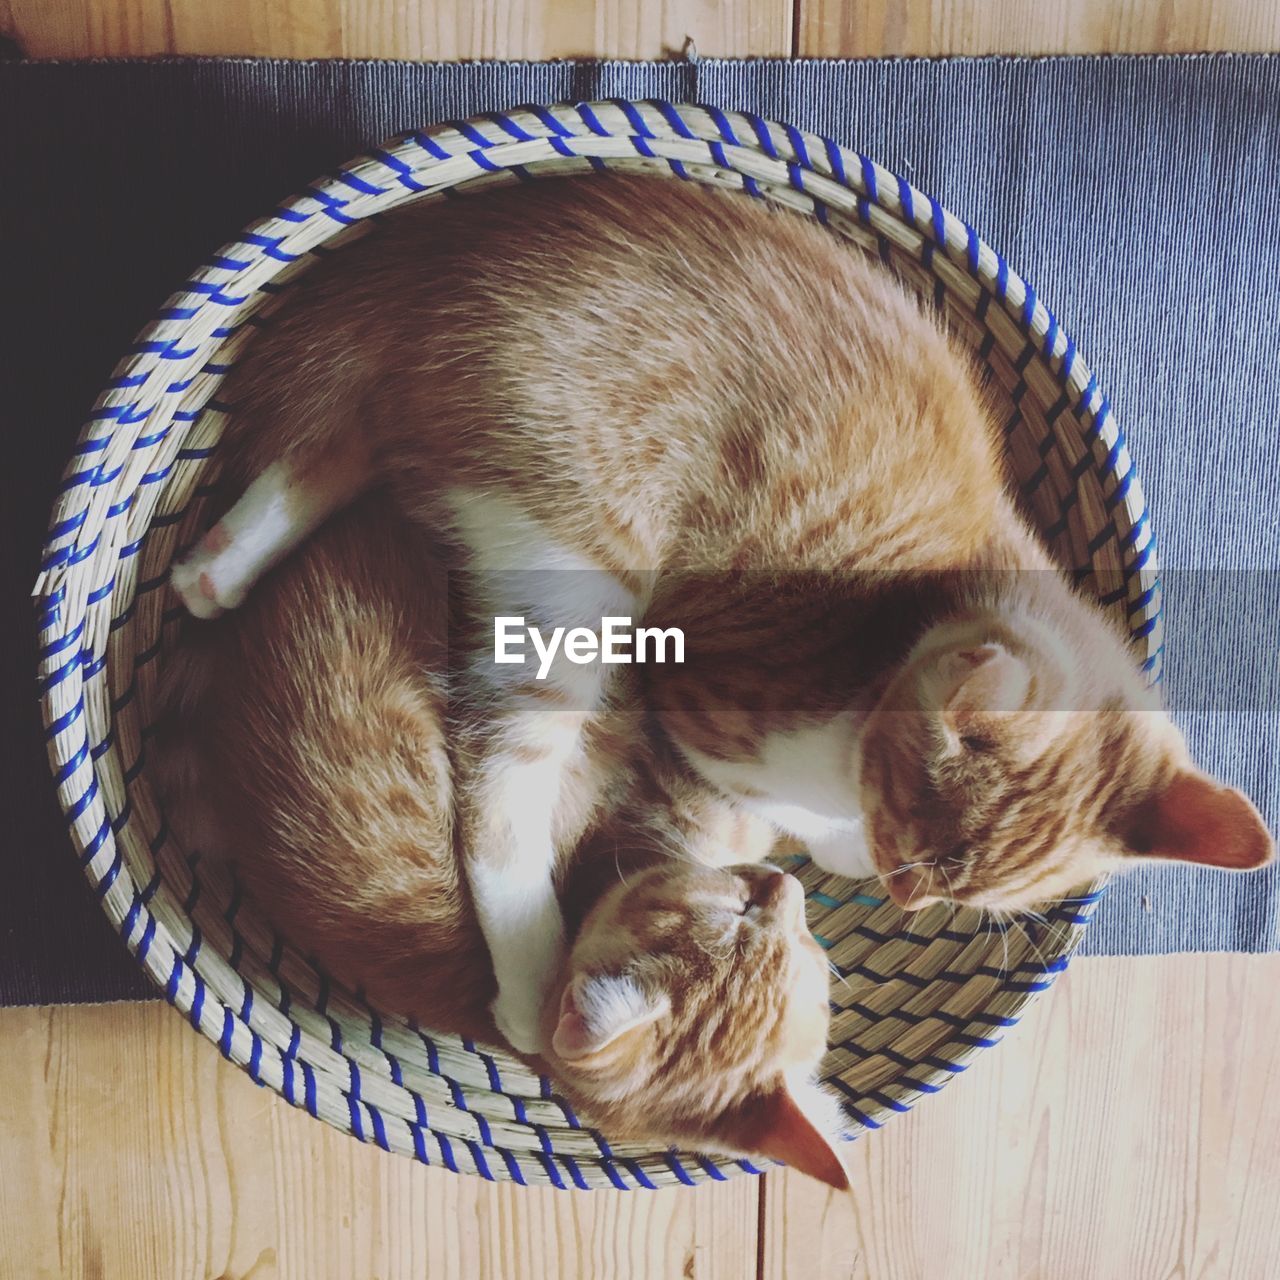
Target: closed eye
(751, 898)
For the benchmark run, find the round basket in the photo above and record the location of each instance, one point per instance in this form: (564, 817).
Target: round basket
(916, 997)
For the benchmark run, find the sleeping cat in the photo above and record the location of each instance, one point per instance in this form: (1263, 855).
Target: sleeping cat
(308, 741)
(643, 398)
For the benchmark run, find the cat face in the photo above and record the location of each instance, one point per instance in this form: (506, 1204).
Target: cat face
(696, 1013)
(1000, 771)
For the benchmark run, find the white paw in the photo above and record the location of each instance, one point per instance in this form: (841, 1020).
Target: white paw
(844, 854)
(517, 1014)
(205, 581)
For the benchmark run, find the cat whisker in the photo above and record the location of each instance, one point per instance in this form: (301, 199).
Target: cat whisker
(1039, 955)
(1000, 920)
(617, 865)
(951, 893)
(910, 866)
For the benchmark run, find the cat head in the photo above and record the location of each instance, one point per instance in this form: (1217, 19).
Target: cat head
(694, 1012)
(1012, 759)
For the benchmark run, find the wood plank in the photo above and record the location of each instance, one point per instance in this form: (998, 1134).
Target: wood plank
(929, 28)
(422, 29)
(130, 1148)
(1128, 1128)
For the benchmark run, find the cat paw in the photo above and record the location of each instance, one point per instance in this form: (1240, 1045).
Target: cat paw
(518, 1018)
(844, 855)
(202, 581)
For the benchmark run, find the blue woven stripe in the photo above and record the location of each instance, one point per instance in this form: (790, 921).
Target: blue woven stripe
(270, 245)
(1002, 278)
(509, 126)
(429, 145)
(309, 1087)
(907, 202)
(148, 934)
(835, 160)
(119, 821)
(357, 183)
(379, 1129)
(64, 721)
(937, 221)
(109, 876)
(1033, 969)
(513, 1167)
(228, 1030)
(472, 134)
(69, 525)
(549, 122)
(353, 1100)
(332, 206)
(419, 1135)
(403, 172)
(672, 117)
(764, 136)
(721, 122)
(212, 292)
(796, 140)
(972, 250)
(850, 1103)
(592, 121)
(446, 1151)
(74, 763)
(553, 1173)
(634, 1169)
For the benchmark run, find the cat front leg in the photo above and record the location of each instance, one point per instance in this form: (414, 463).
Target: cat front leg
(510, 857)
(535, 708)
(279, 510)
(843, 851)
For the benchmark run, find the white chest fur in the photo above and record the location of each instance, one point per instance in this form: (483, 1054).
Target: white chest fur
(805, 782)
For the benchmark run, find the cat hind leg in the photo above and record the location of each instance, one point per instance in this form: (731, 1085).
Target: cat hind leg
(279, 510)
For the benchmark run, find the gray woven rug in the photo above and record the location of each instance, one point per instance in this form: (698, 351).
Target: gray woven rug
(1138, 195)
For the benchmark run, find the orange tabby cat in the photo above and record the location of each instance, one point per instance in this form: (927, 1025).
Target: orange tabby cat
(310, 744)
(652, 400)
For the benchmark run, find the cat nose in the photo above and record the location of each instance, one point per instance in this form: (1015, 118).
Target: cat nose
(771, 889)
(776, 891)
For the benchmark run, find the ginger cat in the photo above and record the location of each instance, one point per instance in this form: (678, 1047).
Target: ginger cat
(644, 398)
(308, 742)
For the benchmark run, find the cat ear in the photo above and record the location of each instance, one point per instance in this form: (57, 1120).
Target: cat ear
(781, 1129)
(980, 682)
(596, 1008)
(1195, 819)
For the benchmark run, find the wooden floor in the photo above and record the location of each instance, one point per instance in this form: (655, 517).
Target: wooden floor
(1129, 1128)
(424, 29)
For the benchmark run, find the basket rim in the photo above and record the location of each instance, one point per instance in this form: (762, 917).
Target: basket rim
(82, 650)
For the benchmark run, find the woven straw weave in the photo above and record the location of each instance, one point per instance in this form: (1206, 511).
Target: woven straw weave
(918, 996)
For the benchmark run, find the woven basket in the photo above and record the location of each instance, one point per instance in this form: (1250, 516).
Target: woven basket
(919, 996)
